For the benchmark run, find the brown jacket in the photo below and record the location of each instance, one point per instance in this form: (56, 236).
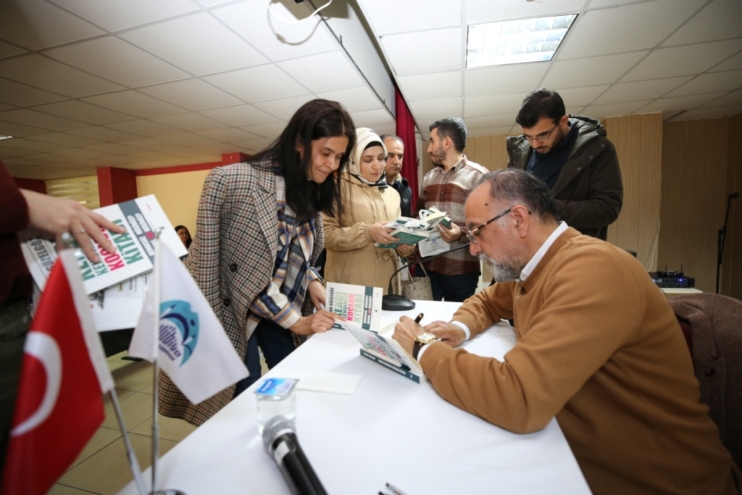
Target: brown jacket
(352, 257)
(232, 260)
(599, 349)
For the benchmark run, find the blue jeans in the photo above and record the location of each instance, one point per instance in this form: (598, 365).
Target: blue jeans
(276, 343)
(453, 288)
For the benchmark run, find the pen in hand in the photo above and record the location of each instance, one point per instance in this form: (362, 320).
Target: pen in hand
(419, 318)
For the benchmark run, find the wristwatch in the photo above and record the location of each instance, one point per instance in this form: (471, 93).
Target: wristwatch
(421, 340)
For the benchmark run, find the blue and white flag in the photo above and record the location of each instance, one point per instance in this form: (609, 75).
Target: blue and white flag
(194, 350)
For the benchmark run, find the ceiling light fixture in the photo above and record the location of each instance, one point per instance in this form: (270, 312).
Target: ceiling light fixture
(5, 137)
(515, 42)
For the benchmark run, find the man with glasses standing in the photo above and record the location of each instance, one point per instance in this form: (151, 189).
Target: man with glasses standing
(597, 347)
(571, 154)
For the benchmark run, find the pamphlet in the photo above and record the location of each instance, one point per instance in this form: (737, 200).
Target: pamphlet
(356, 303)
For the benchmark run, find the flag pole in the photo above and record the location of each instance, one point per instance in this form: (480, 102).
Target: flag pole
(131, 455)
(156, 368)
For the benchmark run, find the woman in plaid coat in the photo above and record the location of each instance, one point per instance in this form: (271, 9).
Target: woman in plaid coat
(259, 232)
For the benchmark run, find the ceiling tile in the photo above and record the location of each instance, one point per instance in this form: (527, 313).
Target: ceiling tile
(144, 128)
(28, 144)
(592, 71)
(732, 63)
(103, 134)
(23, 95)
(115, 148)
(409, 15)
(720, 19)
(254, 145)
(313, 72)
(103, 57)
(478, 11)
(197, 43)
(6, 49)
(193, 94)
(275, 39)
(507, 120)
(481, 106)
(229, 134)
(729, 100)
(266, 82)
(48, 74)
(156, 145)
(36, 24)
(437, 109)
(191, 122)
(354, 99)
(114, 14)
(285, 108)
(711, 83)
(41, 120)
(84, 112)
(134, 103)
(602, 4)
(431, 86)
(4, 106)
(10, 152)
(189, 139)
(428, 51)
(579, 97)
(84, 153)
(240, 115)
(679, 103)
(707, 113)
(640, 90)
(504, 79)
(683, 60)
(65, 139)
(600, 112)
(270, 131)
(372, 118)
(626, 28)
(18, 130)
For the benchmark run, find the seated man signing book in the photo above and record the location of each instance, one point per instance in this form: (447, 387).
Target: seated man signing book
(598, 347)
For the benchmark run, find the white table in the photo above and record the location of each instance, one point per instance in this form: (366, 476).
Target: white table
(392, 430)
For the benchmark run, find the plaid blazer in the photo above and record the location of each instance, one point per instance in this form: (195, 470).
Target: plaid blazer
(232, 259)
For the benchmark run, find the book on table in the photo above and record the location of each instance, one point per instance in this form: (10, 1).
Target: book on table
(385, 351)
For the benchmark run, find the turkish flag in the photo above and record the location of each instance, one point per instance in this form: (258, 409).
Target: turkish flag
(59, 404)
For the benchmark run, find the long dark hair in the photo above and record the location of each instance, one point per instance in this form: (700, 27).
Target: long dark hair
(316, 119)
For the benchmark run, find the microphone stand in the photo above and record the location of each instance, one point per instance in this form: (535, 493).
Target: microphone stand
(722, 237)
(394, 302)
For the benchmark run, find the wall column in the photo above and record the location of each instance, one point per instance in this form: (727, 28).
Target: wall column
(116, 185)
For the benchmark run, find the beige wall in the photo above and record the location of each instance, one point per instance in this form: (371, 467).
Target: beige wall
(178, 194)
(638, 142)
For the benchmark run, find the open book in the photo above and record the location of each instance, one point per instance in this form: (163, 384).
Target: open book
(384, 350)
(412, 231)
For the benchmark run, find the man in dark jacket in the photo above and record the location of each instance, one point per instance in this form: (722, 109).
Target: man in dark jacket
(393, 169)
(571, 154)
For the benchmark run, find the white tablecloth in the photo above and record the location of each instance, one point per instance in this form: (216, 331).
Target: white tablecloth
(392, 430)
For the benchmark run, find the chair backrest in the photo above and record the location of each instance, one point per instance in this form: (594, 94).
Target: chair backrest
(715, 339)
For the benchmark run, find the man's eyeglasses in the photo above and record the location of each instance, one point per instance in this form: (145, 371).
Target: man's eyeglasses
(541, 138)
(472, 234)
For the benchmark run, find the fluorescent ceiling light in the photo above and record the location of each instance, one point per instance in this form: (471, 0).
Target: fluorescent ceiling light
(515, 42)
(5, 137)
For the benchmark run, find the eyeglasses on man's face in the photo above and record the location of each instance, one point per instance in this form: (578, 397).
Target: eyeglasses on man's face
(541, 138)
(473, 234)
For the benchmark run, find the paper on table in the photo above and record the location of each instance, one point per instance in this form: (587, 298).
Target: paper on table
(323, 381)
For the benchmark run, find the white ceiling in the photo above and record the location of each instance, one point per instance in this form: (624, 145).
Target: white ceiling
(153, 83)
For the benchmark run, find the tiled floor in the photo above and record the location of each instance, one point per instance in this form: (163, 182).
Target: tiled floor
(102, 467)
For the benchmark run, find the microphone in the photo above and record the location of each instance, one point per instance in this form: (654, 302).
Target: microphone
(394, 302)
(279, 439)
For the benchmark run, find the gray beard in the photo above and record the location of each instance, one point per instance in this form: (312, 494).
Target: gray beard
(501, 272)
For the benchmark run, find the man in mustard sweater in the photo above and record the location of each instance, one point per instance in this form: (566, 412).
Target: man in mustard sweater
(598, 348)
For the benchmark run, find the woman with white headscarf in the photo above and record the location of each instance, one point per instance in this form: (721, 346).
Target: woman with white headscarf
(368, 205)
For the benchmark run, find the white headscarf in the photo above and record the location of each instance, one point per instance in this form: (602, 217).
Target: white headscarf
(364, 137)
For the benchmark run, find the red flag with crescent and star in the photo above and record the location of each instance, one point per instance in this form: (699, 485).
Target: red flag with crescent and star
(64, 374)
